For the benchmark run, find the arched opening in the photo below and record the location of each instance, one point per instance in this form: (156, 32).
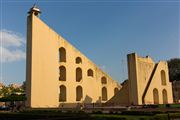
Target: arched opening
(116, 90)
(78, 74)
(103, 80)
(155, 96)
(62, 94)
(62, 72)
(78, 60)
(90, 72)
(79, 93)
(163, 77)
(104, 94)
(62, 54)
(165, 98)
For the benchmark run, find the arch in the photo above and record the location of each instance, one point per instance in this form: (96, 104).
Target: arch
(155, 96)
(116, 90)
(62, 72)
(163, 77)
(79, 93)
(165, 97)
(78, 74)
(104, 80)
(62, 94)
(104, 94)
(90, 72)
(62, 54)
(78, 60)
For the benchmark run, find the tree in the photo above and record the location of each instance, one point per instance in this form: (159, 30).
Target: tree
(6, 91)
(13, 97)
(174, 69)
(10, 93)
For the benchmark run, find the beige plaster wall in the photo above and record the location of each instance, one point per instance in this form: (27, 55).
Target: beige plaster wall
(156, 83)
(140, 70)
(132, 79)
(43, 69)
(122, 96)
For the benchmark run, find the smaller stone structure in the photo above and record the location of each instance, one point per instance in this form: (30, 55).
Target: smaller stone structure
(148, 83)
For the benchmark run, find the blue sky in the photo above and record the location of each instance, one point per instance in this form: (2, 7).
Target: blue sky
(104, 30)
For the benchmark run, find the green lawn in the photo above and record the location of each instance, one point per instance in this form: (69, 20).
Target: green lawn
(135, 117)
(119, 117)
(79, 115)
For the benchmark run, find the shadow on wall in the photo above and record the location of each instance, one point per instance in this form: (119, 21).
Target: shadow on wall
(77, 104)
(122, 96)
(99, 100)
(67, 105)
(87, 99)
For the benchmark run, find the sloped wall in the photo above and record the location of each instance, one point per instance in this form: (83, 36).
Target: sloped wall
(122, 97)
(157, 84)
(43, 70)
(144, 77)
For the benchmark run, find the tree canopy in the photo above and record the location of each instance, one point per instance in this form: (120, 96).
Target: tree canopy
(174, 69)
(13, 97)
(11, 93)
(8, 90)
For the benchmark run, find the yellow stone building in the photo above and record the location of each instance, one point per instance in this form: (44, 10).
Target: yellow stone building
(148, 83)
(59, 75)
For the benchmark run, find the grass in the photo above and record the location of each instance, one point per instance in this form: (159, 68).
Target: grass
(119, 117)
(80, 115)
(135, 117)
(175, 105)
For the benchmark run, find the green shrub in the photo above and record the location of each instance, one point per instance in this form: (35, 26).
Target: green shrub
(160, 117)
(80, 111)
(97, 112)
(175, 105)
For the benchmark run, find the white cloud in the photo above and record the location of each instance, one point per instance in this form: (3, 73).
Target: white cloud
(10, 38)
(11, 55)
(11, 47)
